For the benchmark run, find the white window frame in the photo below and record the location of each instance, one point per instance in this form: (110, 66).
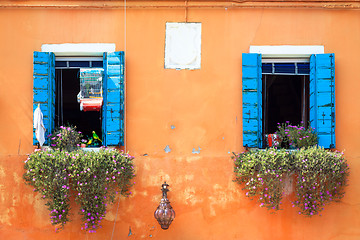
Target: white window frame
(287, 51)
(79, 49)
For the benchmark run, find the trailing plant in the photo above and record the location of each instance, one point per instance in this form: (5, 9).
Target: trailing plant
(296, 136)
(94, 177)
(48, 173)
(97, 181)
(65, 138)
(261, 175)
(321, 176)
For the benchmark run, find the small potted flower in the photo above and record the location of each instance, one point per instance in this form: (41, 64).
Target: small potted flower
(83, 143)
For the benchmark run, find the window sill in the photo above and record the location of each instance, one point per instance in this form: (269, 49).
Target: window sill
(277, 149)
(90, 149)
(87, 149)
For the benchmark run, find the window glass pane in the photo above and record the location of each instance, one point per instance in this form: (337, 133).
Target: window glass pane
(97, 64)
(267, 68)
(79, 64)
(303, 68)
(60, 63)
(284, 68)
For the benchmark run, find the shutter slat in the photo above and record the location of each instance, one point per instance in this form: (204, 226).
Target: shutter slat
(44, 89)
(252, 99)
(322, 98)
(113, 124)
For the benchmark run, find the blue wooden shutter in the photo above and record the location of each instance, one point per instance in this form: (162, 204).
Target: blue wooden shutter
(252, 99)
(322, 98)
(113, 107)
(44, 90)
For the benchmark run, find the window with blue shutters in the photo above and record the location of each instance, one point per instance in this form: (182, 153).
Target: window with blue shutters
(44, 89)
(294, 91)
(56, 86)
(113, 108)
(252, 100)
(322, 98)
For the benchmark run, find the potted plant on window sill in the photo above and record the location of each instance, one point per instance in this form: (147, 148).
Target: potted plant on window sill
(293, 136)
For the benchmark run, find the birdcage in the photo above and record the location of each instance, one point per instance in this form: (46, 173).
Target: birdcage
(90, 96)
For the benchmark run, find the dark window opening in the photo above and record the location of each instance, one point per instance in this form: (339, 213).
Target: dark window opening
(285, 98)
(67, 108)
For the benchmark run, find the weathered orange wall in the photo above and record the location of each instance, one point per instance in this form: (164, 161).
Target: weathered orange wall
(204, 106)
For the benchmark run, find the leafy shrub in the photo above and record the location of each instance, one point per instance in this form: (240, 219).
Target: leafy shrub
(95, 177)
(321, 176)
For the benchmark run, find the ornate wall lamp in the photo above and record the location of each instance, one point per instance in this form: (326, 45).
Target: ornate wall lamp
(164, 213)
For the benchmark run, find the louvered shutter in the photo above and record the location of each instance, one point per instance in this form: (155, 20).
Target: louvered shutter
(44, 90)
(252, 99)
(322, 98)
(113, 96)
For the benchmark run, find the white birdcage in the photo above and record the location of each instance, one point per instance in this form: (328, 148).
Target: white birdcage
(90, 96)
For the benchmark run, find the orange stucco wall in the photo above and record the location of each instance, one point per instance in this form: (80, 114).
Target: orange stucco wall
(204, 106)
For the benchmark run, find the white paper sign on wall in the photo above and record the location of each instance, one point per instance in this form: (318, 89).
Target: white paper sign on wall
(183, 45)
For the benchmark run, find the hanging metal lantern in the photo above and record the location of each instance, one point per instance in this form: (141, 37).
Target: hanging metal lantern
(164, 213)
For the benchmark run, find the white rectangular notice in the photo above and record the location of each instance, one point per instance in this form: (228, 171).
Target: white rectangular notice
(183, 45)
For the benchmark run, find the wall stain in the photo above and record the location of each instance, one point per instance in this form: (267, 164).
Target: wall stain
(183, 178)
(189, 197)
(222, 196)
(2, 172)
(193, 159)
(17, 178)
(4, 218)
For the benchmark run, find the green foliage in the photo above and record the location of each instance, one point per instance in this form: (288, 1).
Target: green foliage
(296, 136)
(95, 178)
(65, 138)
(98, 180)
(48, 173)
(321, 176)
(261, 173)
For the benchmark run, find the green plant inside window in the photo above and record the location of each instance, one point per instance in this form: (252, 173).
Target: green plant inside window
(65, 138)
(295, 136)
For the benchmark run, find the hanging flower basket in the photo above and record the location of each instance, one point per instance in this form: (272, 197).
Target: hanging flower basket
(320, 177)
